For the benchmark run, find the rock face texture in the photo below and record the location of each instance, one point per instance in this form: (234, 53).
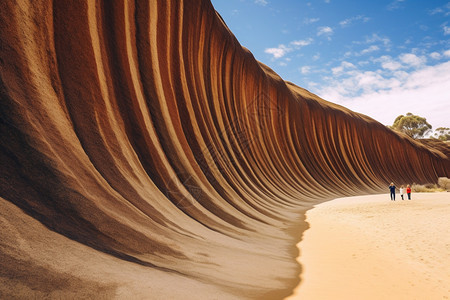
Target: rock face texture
(141, 137)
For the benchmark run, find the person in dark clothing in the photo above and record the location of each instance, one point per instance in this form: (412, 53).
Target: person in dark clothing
(392, 189)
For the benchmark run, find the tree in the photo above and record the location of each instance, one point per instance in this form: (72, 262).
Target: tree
(442, 133)
(412, 125)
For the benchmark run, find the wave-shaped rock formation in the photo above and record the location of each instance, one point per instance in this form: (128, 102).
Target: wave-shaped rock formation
(145, 153)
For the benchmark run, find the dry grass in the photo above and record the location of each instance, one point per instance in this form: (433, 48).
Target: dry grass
(444, 183)
(427, 188)
(442, 186)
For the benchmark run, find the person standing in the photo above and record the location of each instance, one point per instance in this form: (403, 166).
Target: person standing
(392, 190)
(402, 191)
(408, 191)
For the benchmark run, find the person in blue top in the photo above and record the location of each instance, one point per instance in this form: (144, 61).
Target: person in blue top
(392, 189)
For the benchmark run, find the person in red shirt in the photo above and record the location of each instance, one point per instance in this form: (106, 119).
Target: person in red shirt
(408, 191)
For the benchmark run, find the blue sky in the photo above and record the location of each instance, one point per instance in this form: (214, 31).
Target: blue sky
(381, 58)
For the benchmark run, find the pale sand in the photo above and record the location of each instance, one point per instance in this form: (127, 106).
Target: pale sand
(37, 263)
(372, 248)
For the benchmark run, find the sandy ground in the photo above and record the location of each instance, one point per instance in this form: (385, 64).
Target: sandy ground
(372, 248)
(37, 263)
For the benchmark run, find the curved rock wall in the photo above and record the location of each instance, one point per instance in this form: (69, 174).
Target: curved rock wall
(144, 130)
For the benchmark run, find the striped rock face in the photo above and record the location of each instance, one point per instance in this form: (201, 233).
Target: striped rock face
(144, 131)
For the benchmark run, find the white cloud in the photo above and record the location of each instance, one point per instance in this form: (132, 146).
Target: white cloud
(446, 29)
(363, 63)
(435, 11)
(311, 20)
(344, 23)
(395, 4)
(282, 49)
(391, 65)
(445, 10)
(302, 43)
(312, 84)
(367, 50)
(383, 95)
(404, 61)
(412, 59)
(305, 70)
(345, 65)
(261, 2)
(349, 21)
(447, 53)
(278, 52)
(375, 43)
(388, 63)
(370, 49)
(375, 38)
(348, 54)
(435, 55)
(325, 30)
